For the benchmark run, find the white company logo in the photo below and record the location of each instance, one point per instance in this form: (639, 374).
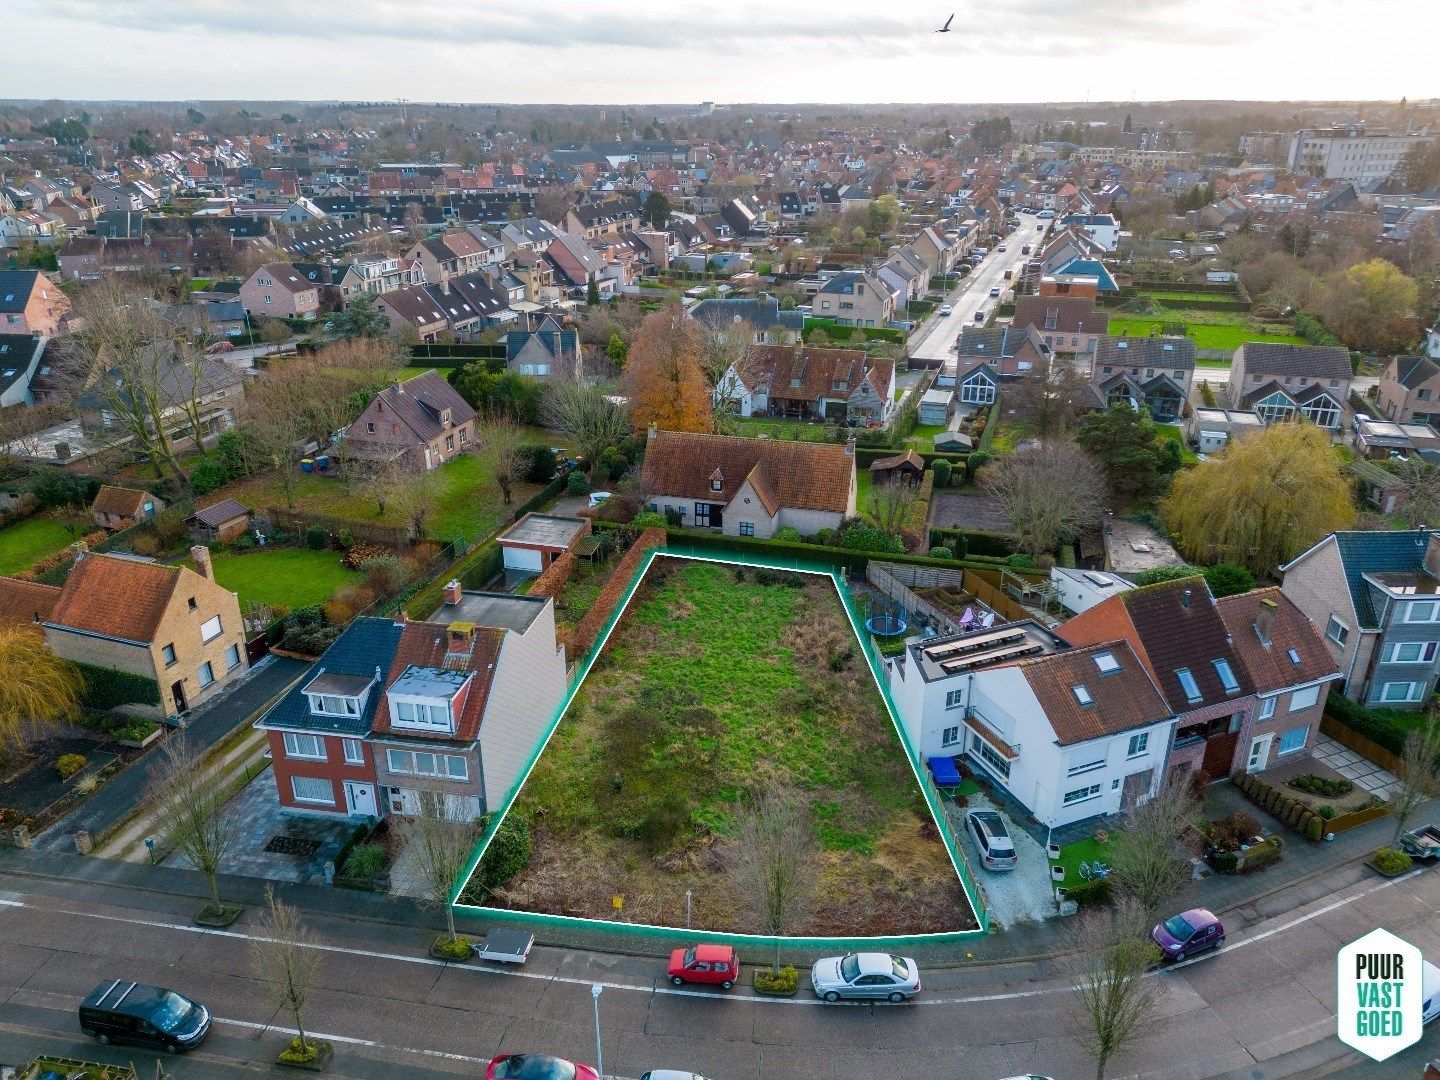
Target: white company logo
(1378, 1007)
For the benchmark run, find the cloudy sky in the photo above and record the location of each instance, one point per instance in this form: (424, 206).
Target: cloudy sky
(732, 50)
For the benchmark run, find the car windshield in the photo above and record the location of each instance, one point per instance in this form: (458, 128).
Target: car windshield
(850, 968)
(171, 1012)
(531, 1067)
(1178, 928)
(689, 956)
(899, 968)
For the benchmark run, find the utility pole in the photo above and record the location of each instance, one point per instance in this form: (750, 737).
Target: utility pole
(595, 989)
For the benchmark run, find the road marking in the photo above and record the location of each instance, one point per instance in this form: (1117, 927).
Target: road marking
(668, 991)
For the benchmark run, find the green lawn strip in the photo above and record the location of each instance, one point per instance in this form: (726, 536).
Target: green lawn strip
(1212, 331)
(284, 577)
(1072, 855)
(923, 437)
(1174, 434)
(27, 542)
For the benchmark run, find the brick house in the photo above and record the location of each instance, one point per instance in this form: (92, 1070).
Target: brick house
(422, 421)
(989, 357)
(120, 507)
(1154, 372)
(749, 487)
(168, 623)
(456, 704)
(1286, 382)
(1409, 390)
(448, 255)
(280, 291)
(855, 298)
(30, 303)
(1068, 324)
(798, 382)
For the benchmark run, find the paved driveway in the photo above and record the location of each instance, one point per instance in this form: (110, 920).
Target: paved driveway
(1013, 896)
(1352, 766)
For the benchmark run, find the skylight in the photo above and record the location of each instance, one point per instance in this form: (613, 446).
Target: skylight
(1107, 663)
(1188, 684)
(1294, 656)
(1227, 677)
(1082, 695)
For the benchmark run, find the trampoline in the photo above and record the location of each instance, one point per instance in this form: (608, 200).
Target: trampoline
(887, 619)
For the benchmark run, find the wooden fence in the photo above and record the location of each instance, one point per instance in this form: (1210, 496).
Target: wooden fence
(1370, 750)
(900, 580)
(297, 521)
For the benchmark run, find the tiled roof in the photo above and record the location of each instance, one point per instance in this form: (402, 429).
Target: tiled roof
(15, 289)
(419, 401)
(1364, 553)
(999, 342)
(115, 597)
(1306, 361)
(803, 475)
(221, 512)
(1061, 314)
(1119, 700)
(424, 645)
(909, 457)
(287, 277)
(1270, 666)
(120, 501)
(1157, 352)
(25, 602)
(367, 645)
(818, 372)
(1412, 372)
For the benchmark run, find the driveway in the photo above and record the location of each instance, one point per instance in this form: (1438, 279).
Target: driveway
(1014, 896)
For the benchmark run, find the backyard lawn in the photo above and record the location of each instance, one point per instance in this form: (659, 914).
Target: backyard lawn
(1209, 330)
(717, 686)
(923, 437)
(1072, 855)
(283, 577)
(752, 426)
(27, 542)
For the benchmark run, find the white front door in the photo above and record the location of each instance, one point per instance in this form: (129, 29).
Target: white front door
(1259, 753)
(360, 799)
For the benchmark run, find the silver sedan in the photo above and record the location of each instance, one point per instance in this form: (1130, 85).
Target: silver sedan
(866, 975)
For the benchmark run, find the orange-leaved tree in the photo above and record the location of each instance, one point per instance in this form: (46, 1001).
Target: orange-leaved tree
(664, 376)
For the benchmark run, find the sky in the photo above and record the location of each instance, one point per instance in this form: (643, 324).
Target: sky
(677, 51)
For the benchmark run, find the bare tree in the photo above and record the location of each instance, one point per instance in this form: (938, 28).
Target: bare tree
(721, 350)
(1051, 493)
(411, 492)
(1419, 504)
(499, 438)
(1053, 393)
(1419, 764)
(772, 857)
(1113, 1001)
(1149, 857)
(439, 838)
(587, 415)
(892, 504)
(285, 957)
(194, 817)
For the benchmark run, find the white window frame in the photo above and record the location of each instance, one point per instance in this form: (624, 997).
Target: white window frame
(1139, 745)
(1430, 607)
(210, 629)
(1337, 631)
(1284, 735)
(354, 751)
(1424, 652)
(295, 740)
(296, 781)
(205, 674)
(987, 754)
(1086, 766)
(950, 736)
(1304, 698)
(333, 705)
(415, 708)
(1267, 708)
(1080, 795)
(1414, 691)
(955, 699)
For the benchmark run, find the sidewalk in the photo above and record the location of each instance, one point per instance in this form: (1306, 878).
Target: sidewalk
(207, 726)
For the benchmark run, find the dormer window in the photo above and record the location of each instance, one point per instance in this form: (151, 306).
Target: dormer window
(427, 714)
(331, 705)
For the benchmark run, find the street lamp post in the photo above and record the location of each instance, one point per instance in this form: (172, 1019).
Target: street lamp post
(595, 989)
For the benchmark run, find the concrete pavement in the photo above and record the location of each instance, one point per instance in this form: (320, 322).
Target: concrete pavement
(936, 339)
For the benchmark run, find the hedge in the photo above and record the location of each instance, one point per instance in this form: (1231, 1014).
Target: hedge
(1313, 330)
(834, 329)
(1387, 727)
(991, 423)
(459, 350)
(106, 688)
(1296, 814)
(994, 545)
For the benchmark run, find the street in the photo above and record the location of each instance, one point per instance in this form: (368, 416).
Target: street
(936, 339)
(1264, 1006)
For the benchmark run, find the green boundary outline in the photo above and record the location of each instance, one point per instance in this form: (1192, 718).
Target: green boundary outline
(957, 859)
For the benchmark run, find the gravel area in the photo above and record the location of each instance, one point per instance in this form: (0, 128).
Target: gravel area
(1012, 896)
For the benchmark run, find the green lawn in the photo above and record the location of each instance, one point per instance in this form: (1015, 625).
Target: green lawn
(1209, 334)
(713, 688)
(283, 577)
(1174, 434)
(1179, 297)
(27, 542)
(923, 437)
(1072, 855)
(804, 430)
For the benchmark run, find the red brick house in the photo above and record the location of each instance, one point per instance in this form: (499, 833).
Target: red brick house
(422, 422)
(120, 507)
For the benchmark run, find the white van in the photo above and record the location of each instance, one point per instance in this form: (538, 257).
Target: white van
(1430, 993)
(1046, 214)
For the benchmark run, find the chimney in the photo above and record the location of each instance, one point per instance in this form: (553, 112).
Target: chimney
(459, 638)
(1432, 555)
(1265, 621)
(1185, 599)
(850, 446)
(201, 554)
(453, 592)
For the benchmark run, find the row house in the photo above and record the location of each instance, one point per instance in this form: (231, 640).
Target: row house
(454, 705)
(1409, 389)
(1286, 382)
(801, 382)
(371, 275)
(448, 255)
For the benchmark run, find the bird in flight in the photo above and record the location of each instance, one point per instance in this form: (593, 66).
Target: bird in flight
(946, 28)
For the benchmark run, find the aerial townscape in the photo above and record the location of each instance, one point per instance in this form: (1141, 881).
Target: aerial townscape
(717, 590)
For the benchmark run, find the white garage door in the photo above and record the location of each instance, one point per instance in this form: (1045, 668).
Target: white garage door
(522, 559)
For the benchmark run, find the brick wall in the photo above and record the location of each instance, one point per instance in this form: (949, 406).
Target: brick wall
(595, 619)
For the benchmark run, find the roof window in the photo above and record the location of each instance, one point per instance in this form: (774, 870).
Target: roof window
(1188, 684)
(1082, 695)
(1227, 677)
(1107, 663)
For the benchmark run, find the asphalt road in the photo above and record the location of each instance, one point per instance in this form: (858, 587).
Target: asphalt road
(936, 339)
(1264, 1007)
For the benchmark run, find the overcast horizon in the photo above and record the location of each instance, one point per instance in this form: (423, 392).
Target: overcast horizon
(611, 53)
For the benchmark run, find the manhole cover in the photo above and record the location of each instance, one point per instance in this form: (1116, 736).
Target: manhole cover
(292, 845)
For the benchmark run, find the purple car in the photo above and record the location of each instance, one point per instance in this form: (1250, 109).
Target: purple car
(1188, 933)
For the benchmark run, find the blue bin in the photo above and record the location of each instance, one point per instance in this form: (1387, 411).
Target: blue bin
(307, 464)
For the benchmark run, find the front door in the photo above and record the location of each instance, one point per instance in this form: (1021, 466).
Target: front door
(177, 692)
(359, 799)
(1259, 753)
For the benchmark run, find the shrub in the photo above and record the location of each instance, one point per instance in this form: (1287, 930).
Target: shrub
(168, 528)
(1326, 811)
(941, 553)
(507, 855)
(309, 640)
(308, 1054)
(784, 981)
(363, 552)
(458, 949)
(347, 603)
(1090, 893)
(207, 475)
(316, 538)
(1387, 727)
(106, 688)
(942, 470)
(1330, 787)
(386, 575)
(244, 542)
(69, 764)
(858, 536)
(649, 519)
(673, 520)
(366, 860)
(542, 465)
(576, 483)
(789, 534)
(1315, 827)
(1391, 862)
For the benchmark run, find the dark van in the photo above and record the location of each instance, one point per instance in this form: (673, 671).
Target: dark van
(121, 1011)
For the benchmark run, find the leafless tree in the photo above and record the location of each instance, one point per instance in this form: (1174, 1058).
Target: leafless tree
(193, 815)
(587, 415)
(500, 439)
(772, 861)
(1113, 1002)
(1419, 764)
(1052, 394)
(285, 958)
(1150, 856)
(892, 504)
(723, 349)
(1051, 493)
(439, 838)
(1419, 505)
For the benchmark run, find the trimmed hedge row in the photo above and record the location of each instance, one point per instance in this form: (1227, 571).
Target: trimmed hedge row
(1293, 813)
(1256, 857)
(991, 423)
(106, 688)
(986, 544)
(1387, 727)
(593, 621)
(871, 333)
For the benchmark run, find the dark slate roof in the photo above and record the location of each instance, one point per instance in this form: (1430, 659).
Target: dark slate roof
(419, 401)
(223, 511)
(761, 312)
(17, 353)
(1415, 371)
(999, 341)
(1306, 361)
(15, 289)
(365, 645)
(1364, 553)
(1157, 352)
(178, 382)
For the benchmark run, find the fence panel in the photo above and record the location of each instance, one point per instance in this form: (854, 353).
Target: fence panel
(1370, 750)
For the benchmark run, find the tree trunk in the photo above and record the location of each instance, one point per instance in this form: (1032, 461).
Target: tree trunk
(775, 967)
(214, 891)
(299, 1027)
(450, 921)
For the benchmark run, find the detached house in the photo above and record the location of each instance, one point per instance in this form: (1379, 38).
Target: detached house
(855, 298)
(168, 623)
(987, 357)
(550, 351)
(30, 303)
(455, 704)
(422, 422)
(749, 487)
(797, 382)
(1153, 372)
(280, 291)
(1286, 382)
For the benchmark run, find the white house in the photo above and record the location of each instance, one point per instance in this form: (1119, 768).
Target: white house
(1070, 733)
(1080, 590)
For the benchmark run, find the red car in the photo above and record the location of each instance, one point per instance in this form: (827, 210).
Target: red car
(705, 964)
(536, 1067)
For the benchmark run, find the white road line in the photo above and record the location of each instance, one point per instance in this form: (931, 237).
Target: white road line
(668, 991)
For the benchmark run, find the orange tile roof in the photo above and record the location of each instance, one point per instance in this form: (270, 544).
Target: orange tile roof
(25, 602)
(1271, 667)
(120, 501)
(115, 597)
(424, 644)
(1123, 699)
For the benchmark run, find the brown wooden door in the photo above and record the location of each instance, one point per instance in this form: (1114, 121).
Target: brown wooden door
(1219, 755)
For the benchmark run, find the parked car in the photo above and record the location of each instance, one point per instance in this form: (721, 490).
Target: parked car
(979, 316)
(866, 975)
(945, 309)
(123, 1011)
(1009, 274)
(992, 840)
(1188, 933)
(670, 1074)
(536, 1067)
(715, 964)
(598, 497)
(1001, 247)
(994, 293)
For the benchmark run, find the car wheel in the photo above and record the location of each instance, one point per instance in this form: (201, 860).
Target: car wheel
(104, 1040)
(831, 996)
(1217, 944)
(727, 984)
(677, 980)
(897, 997)
(88, 1032)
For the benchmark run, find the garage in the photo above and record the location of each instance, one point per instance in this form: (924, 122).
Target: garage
(518, 558)
(537, 540)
